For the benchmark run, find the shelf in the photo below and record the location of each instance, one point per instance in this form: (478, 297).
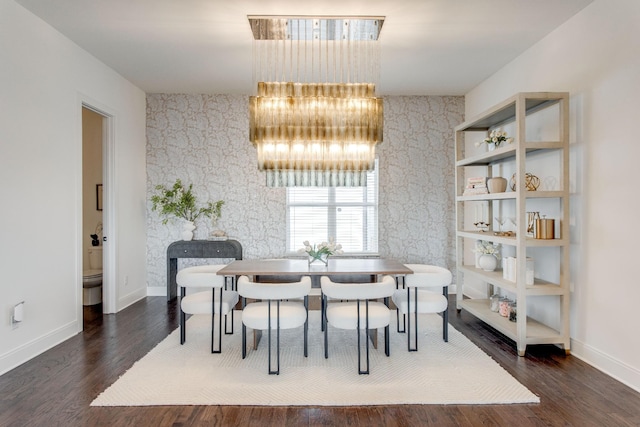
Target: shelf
(539, 288)
(506, 152)
(511, 195)
(537, 332)
(512, 241)
(506, 111)
(515, 112)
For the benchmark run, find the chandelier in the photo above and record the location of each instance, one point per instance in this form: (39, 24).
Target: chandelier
(315, 119)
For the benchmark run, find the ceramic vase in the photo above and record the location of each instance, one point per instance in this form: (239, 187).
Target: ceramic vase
(488, 262)
(187, 230)
(497, 185)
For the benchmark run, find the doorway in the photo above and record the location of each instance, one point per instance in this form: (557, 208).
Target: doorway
(96, 289)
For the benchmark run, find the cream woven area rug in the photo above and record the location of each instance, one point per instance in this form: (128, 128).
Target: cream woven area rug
(456, 372)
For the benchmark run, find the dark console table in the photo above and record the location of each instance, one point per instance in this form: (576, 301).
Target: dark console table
(197, 249)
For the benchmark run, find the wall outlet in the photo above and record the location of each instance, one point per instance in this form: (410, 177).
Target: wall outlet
(126, 280)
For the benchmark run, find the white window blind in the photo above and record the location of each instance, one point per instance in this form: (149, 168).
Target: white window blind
(349, 214)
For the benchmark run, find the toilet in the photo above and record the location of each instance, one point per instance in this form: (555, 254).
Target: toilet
(92, 278)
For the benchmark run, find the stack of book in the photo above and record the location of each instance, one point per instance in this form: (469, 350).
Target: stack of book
(475, 186)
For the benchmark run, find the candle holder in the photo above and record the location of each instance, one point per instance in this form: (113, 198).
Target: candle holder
(482, 226)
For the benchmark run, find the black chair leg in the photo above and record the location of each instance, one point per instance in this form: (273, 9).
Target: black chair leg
(277, 370)
(325, 327)
(183, 323)
(366, 338)
(306, 327)
(415, 318)
(445, 316)
(244, 333)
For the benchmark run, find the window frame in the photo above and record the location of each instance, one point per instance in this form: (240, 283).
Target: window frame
(332, 205)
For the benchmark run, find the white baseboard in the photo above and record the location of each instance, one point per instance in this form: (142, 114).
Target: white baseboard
(616, 369)
(28, 351)
(157, 291)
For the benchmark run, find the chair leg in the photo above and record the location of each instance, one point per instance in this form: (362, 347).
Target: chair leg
(244, 332)
(277, 370)
(322, 309)
(226, 329)
(183, 323)
(325, 327)
(445, 316)
(404, 320)
(415, 317)
(306, 326)
(366, 337)
(213, 316)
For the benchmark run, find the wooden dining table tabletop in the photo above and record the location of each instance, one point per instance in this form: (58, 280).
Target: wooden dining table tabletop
(296, 267)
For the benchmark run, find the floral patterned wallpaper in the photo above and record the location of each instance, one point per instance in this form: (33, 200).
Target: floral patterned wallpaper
(204, 140)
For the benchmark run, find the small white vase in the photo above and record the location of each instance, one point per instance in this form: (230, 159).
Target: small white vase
(187, 230)
(491, 146)
(488, 262)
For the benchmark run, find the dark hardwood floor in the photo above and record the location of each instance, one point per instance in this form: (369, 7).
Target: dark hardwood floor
(56, 388)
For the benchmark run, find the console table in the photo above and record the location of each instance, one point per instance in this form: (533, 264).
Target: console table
(197, 249)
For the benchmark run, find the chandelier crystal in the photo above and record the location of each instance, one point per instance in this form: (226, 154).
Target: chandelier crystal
(315, 119)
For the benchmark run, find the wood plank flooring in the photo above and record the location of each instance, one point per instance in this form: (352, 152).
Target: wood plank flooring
(56, 388)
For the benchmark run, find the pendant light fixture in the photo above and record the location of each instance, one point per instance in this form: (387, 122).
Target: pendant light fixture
(315, 119)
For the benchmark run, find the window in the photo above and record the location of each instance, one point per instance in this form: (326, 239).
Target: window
(349, 214)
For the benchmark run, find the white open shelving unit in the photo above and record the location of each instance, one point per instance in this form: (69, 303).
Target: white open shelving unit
(514, 113)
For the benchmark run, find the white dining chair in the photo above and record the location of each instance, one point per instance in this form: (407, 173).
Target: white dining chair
(277, 306)
(354, 306)
(425, 291)
(217, 300)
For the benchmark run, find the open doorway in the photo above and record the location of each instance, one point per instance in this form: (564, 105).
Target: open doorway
(93, 125)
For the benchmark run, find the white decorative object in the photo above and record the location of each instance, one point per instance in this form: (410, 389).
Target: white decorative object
(187, 230)
(488, 262)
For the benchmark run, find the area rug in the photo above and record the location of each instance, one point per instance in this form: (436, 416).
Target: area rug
(456, 372)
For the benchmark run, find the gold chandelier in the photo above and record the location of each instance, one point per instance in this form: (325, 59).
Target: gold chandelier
(315, 120)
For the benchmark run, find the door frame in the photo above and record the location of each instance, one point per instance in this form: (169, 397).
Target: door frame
(109, 224)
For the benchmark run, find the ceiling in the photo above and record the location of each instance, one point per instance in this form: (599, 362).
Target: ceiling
(428, 47)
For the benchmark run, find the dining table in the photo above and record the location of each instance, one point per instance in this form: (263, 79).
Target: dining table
(338, 268)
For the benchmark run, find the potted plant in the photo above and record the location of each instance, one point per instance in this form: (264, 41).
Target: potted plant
(495, 138)
(180, 202)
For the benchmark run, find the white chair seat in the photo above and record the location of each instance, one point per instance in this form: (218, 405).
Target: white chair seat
(428, 301)
(292, 315)
(344, 315)
(200, 302)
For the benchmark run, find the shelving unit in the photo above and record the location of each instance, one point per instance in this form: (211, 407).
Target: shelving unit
(515, 113)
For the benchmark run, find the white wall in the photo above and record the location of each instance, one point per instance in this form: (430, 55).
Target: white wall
(594, 56)
(44, 78)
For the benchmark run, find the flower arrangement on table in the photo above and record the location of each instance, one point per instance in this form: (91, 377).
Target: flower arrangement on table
(322, 251)
(180, 202)
(496, 137)
(484, 247)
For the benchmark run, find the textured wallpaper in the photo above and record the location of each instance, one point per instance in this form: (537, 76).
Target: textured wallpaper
(204, 140)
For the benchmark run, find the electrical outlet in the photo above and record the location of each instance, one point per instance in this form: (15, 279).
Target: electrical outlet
(126, 280)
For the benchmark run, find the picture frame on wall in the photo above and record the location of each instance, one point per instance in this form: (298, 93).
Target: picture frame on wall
(99, 197)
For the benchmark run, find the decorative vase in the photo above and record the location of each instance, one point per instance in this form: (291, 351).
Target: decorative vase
(319, 259)
(187, 230)
(488, 262)
(497, 185)
(491, 146)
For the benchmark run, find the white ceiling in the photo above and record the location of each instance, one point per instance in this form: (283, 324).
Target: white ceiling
(429, 47)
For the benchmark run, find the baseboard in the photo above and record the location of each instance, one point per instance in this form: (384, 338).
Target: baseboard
(616, 369)
(157, 291)
(135, 296)
(28, 351)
